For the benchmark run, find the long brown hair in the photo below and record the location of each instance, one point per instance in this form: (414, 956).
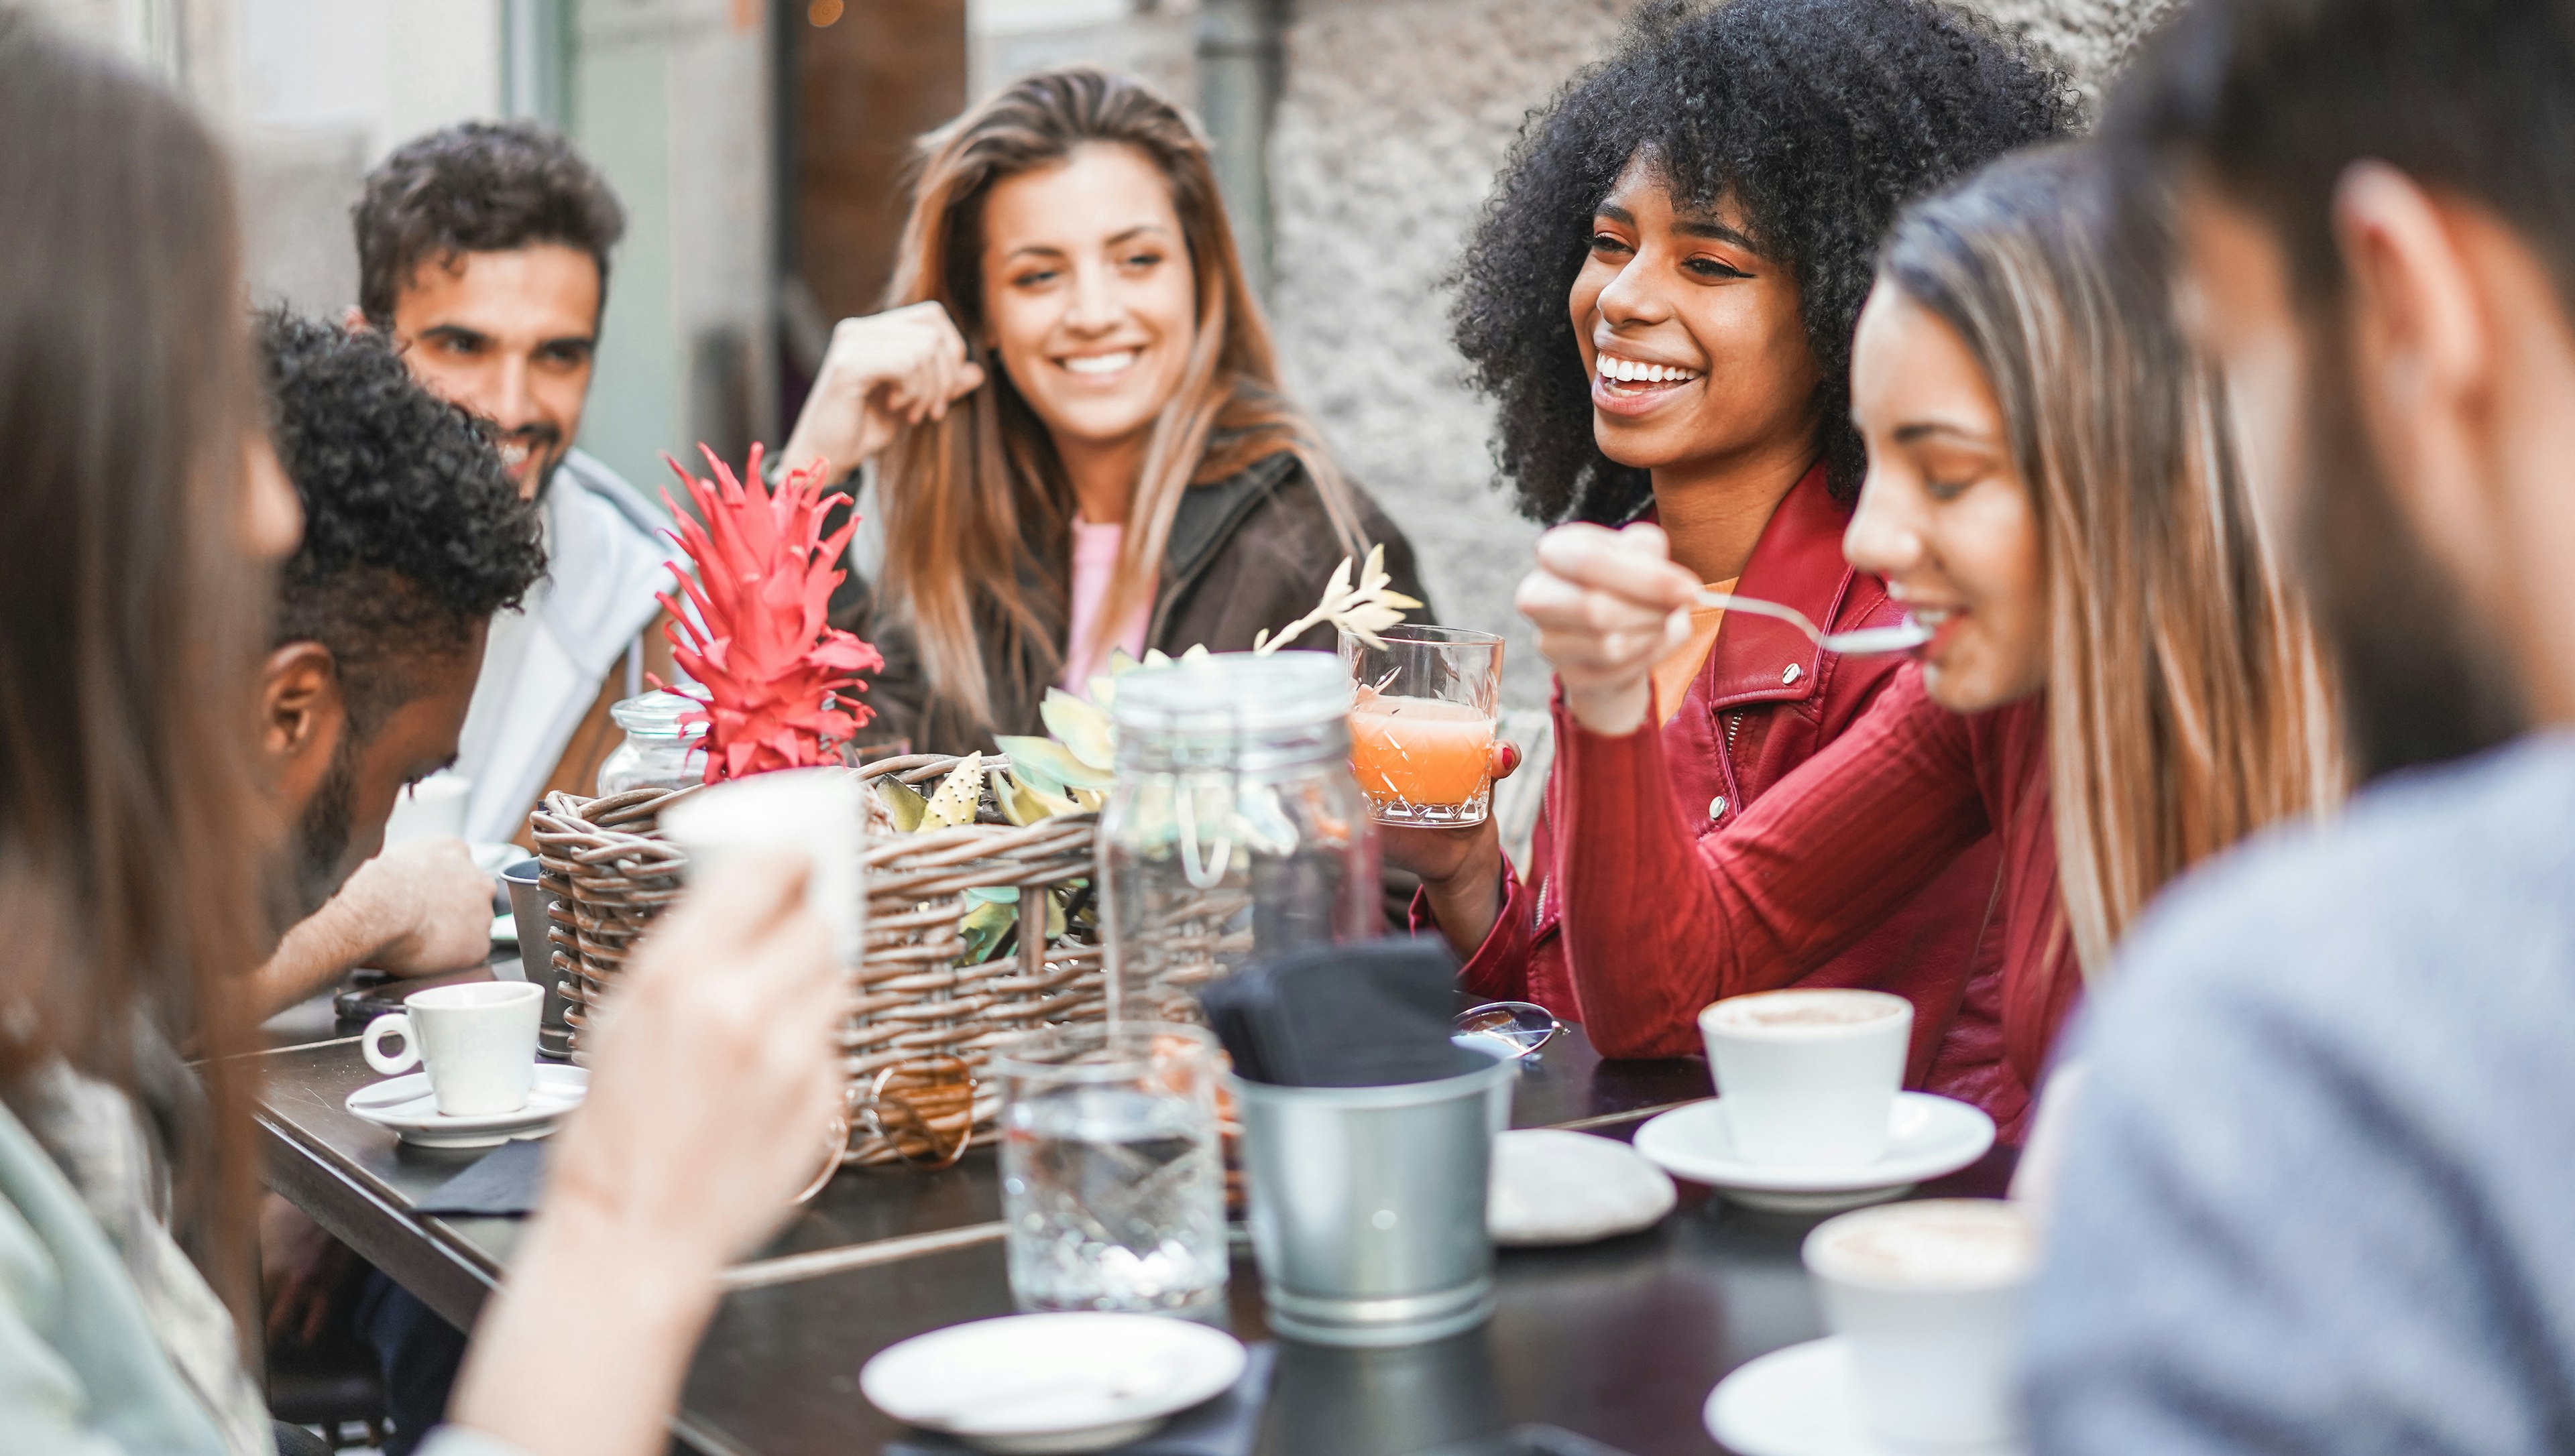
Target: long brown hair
(975, 501)
(132, 822)
(2188, 700)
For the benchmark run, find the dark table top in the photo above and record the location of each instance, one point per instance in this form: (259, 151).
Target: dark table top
(1619, 1341)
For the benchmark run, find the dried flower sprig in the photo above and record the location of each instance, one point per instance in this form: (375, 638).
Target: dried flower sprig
(777, 682)
(1362, 611)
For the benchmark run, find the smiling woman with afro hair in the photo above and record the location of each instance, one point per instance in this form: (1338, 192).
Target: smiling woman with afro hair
(1816, 119)
(1661, 299)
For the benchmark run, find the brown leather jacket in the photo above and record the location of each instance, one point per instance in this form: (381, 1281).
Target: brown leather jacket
(1247, 553)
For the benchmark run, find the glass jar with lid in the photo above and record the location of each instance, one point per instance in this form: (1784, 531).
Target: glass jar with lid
(1234, 830)
(660, 752)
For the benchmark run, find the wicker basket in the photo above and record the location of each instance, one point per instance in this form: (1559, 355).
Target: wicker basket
(921, 1028)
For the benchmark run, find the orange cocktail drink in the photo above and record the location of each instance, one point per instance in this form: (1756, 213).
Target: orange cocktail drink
(1421, 725)
(1418, 755)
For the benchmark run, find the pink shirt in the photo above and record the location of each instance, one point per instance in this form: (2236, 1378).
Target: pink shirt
(1095, 565)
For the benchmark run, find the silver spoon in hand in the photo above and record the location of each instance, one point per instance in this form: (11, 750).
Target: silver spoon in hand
(1903, 637)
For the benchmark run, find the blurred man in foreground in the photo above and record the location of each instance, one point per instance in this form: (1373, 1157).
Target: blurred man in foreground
(482, 254)
(2316, 1187)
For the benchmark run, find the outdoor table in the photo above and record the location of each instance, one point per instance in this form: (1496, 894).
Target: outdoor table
(1619, 1341)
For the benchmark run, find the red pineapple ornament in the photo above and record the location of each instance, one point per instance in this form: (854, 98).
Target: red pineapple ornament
(777, 680)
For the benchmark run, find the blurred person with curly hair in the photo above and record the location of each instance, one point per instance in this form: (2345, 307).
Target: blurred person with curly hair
(1661, 299)
(414, 537)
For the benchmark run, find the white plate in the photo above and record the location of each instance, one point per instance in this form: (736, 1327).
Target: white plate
(1802, 1401)
(1551, 1186)
(1931, 1135)
(404, 1105)
(1052, 1382)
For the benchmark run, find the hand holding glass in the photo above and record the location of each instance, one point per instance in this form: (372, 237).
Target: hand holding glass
(1422, 730)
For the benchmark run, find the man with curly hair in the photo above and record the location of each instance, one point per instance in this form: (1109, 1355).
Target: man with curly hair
(482, 254)
(1660, 300)
(412, 538)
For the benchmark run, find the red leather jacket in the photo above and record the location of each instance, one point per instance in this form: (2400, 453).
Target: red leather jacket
(1765, 701)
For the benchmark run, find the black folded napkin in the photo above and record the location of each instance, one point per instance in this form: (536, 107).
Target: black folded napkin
(1227, 1425)
(504, 1182)
(1374, 1013)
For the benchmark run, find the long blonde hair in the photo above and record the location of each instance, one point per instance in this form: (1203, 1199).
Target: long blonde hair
(2188, 703)
(972, 499)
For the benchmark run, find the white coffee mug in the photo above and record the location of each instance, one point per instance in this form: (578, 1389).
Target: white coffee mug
(433, 808)
(1807, 1078)
(817, 811)
(1927, 1297)
(477, 1041)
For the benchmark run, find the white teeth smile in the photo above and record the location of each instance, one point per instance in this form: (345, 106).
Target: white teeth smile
(1101, 363)
(514, 452)
(1927, 616)
(1630, 370)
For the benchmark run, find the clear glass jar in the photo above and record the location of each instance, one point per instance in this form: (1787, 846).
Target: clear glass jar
(659, 752)
(1234, 830)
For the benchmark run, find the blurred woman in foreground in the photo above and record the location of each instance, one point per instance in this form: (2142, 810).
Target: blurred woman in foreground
(2120, 682)
(138, 516)
(1079, 438)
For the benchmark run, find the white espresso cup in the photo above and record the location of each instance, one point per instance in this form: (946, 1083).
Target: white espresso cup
(477, 1040)
(1807, 1078)
(1926, 1296)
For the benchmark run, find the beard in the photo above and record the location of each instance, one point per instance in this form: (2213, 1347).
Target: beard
(2420, 683)
(321, 845)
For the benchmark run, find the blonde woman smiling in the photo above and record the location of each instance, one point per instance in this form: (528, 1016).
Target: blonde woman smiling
(1081, 439)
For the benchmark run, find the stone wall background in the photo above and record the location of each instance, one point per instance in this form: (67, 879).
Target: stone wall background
(1395, 117)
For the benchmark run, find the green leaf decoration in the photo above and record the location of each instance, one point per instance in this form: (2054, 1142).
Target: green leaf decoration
(998, 895)
(984, 929)
(1081, 726)
(1026, 804)
(904, 802)
(1051, 765)
(954, 803)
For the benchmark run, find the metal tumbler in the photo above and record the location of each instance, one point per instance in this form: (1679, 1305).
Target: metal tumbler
(527, 906)
(1367, 1204)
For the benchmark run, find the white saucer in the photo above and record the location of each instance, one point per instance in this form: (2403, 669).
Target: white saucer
(1931, 1135)
(1551, 1187)
(1036, 1383)
(404, 1105)
(1801, 1401)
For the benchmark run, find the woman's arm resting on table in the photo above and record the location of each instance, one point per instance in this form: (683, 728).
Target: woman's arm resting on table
(1657, 924)
(714, 1078)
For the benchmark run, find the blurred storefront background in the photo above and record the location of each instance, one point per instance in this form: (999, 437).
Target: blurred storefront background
(759, 146)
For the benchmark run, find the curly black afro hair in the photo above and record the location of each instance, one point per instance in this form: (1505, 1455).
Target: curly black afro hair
(1817, 119)
(478, 186)
(414, 533)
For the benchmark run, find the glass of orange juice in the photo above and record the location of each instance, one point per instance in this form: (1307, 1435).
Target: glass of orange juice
(1421, 729)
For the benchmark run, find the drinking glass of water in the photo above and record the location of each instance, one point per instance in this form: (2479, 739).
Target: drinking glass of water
(1112, 1182)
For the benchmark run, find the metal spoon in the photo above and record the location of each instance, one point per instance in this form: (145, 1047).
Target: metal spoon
(1904, 637)
(1521, 1026)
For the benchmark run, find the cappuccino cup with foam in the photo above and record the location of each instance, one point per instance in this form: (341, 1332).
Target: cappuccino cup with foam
(1807, 1078)
(1926, 1295)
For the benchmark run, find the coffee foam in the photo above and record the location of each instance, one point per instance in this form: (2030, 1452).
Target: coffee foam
(1949, 1243)
(1807, 1010)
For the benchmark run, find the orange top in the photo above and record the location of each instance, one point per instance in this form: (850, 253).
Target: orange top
(1674, 674)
